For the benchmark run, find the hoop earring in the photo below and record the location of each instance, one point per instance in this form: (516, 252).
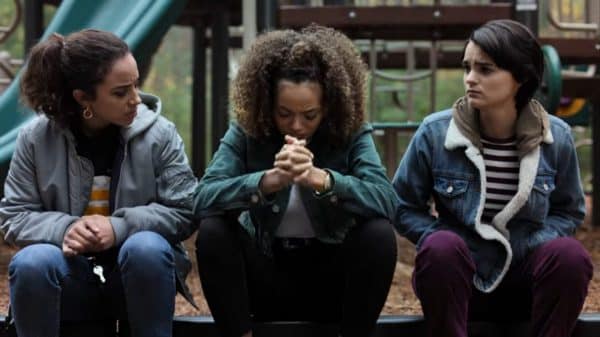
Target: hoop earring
(87, 113)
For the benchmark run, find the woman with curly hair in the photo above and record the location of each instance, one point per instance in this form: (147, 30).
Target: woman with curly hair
(295, 206)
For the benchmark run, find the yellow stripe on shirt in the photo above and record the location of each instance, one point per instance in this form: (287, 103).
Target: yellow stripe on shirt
(99, 197)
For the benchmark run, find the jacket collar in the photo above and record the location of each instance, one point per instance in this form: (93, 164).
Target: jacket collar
(147, 113)
(532, 127)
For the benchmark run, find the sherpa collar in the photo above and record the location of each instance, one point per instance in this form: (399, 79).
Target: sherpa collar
(533, 125)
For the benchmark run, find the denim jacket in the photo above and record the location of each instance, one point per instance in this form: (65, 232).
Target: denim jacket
(441, 163)
(360, 188)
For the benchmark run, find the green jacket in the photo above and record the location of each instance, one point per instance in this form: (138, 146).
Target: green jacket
(360, 187)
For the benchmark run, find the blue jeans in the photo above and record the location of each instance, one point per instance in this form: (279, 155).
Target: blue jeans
(46, 288)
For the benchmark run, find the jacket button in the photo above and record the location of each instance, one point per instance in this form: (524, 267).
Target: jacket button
(275, 209)
(449, 189)
(333, 199)
(254, 198)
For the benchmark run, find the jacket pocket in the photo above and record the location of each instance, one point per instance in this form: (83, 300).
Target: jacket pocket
(450, 187)
(538, 203)
(451, 195)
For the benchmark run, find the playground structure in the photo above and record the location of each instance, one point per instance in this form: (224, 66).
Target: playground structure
(431, 35)
(419, 39)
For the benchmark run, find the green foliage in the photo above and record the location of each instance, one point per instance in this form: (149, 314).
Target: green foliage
(14, 44)
(170, 78)
(449, 87)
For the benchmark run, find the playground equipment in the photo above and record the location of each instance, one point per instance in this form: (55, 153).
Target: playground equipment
(140, 23)
(430, 34)
(434, 24)
(551, 86)
(7, 63)
(439, 23)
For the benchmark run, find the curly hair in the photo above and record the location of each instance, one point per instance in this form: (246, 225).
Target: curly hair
(314, 53)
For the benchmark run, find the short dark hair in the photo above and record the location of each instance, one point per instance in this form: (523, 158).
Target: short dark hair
(513, 47)
(59, 65)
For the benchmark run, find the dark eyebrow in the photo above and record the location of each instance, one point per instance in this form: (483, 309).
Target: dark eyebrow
(124, 86)
(303, 112)
(482, 63)
(479, 63)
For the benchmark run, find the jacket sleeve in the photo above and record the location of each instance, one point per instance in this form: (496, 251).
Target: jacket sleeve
(365, 190)
(413, 183)
(226, 184)
(23, 217)
(567, 202)
(171, 214)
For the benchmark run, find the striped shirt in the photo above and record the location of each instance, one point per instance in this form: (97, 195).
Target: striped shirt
(99, 198)
(501, 173)
(101, 150)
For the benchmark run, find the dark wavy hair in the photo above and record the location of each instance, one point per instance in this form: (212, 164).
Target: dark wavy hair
(514, 48)
(314, 53)
(59, 65)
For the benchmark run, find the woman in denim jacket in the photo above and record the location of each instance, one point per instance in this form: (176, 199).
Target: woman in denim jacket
(98, 195)
(504, 179)
(295, 205)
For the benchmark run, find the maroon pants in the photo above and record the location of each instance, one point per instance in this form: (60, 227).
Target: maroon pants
(548, 287)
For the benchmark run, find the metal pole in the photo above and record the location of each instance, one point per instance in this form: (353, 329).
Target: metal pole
(267, 15)
(34, 23)
(526, 12)
(249, 22)
(373, 83)
(410, 88)
(199, 130)
(220, 74)
(433, 80)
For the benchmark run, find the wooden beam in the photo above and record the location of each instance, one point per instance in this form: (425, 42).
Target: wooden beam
(444, 22)
(200, 8)
(397, 60)
(581, 87)
(575, 50)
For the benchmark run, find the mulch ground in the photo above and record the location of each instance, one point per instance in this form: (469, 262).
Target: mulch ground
(401, 299)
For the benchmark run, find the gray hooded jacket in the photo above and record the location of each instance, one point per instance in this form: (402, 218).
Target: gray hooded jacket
(49, 184)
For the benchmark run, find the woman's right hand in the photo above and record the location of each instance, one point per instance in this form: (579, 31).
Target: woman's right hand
(79, 239)
(292, 160)
(91, 233)
(275, 180)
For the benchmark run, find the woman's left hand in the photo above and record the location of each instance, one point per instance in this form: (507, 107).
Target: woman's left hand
(102, 228)
(313, 178)
(293, 157)
(306, 174)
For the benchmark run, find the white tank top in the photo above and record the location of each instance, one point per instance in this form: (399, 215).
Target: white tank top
(295, 222)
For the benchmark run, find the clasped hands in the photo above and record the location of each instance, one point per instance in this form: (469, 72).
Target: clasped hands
(293, 165)
(91, 233)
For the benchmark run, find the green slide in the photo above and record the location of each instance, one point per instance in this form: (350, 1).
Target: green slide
(141, 23)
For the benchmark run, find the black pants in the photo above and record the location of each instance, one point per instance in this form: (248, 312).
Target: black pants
(331, 283)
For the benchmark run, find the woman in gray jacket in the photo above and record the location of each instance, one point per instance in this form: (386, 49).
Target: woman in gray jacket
(98, 194)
